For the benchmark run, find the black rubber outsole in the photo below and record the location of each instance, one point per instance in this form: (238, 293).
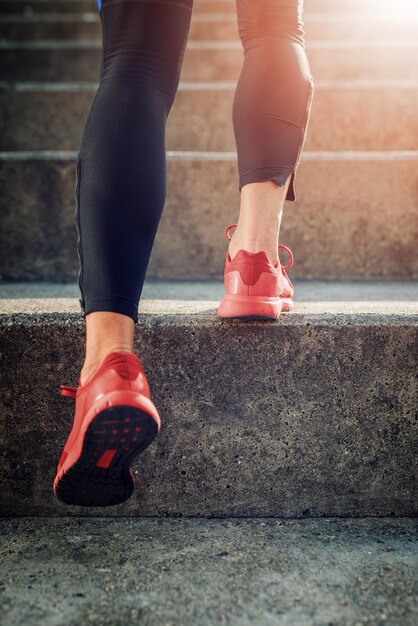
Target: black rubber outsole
(101, 476)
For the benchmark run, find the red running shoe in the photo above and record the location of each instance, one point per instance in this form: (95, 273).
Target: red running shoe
(254, 287)
(114, 421)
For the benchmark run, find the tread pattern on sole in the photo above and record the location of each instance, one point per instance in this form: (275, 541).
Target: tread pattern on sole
(101, 476)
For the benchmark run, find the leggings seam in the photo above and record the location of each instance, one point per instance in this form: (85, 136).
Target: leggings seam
(78, 174)
(79, 244)
(100, 81)
(305, 122)
(293, 168)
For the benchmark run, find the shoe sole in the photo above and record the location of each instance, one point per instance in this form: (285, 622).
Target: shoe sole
(101, 476)
(253, 307)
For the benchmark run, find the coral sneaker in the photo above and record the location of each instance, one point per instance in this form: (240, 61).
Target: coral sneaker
(114, 421)
(254, 287)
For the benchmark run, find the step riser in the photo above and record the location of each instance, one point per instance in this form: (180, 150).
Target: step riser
(219, 30)
(341, 119)
(208, 65)
(296, 439)
(370, 204)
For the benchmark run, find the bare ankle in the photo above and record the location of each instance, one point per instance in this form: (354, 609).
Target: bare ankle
(87, 372)
(254, 245)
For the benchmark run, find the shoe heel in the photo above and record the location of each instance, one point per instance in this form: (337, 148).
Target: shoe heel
(102, 476)
(287, 304)
(250, 307)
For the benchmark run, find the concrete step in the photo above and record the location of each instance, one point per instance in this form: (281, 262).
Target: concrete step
(346, 115)
(73, 60)
(211, 26)
(310, 415)
(209, 572)
(368, 198)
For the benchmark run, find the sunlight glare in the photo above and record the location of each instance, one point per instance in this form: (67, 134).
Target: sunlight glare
(398, 10)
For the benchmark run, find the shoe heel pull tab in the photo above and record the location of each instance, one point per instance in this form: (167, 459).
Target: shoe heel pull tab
(131, 370)
(290, 255)
(66, 390)
(128, 369)
(227, 229)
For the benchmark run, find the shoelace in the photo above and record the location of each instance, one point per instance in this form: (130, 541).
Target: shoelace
(281, 247)
(67, 390)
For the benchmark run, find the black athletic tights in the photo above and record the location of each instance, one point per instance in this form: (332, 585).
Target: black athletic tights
(121, 167)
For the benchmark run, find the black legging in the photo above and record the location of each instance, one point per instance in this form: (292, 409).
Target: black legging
(121, 168)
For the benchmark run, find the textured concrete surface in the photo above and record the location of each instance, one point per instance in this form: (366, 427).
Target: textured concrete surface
(208, 572)
(312, 415)
(82, 61)
(343, 117)
(355, 216)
